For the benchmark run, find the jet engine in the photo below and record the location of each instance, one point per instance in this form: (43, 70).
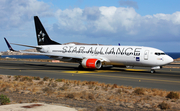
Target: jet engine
(91, 63)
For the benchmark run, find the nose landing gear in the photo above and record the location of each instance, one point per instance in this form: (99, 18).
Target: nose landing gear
(153, 71)
(156, 67)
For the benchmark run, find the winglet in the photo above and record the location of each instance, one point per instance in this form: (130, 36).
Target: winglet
(9, 46)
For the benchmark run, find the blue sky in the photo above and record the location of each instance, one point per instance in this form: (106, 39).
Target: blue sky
(153, 23)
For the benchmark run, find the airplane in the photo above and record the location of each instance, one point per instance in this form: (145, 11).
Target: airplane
(96, 56)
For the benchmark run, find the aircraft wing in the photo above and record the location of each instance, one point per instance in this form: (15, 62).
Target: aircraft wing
(52, 54)
(49, 54)
(102, 59)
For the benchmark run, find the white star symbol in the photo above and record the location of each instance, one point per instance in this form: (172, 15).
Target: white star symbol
(41, 36)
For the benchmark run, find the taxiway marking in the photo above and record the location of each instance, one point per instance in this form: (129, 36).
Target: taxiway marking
(122, 77)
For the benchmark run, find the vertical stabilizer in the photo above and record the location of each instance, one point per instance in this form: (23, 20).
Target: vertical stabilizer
(41, 34)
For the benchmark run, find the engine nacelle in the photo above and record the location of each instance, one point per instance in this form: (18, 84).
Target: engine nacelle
(91, 63)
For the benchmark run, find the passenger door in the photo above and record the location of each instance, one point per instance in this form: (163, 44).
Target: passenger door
(146, 54)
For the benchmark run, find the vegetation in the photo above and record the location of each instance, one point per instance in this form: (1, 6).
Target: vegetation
(100, 108)
(139, 91)
(45, 78)
(173, 95)
(26, 78)
(37, 78)
(4, 99)
(59, 80)
(164, 105)
(89, 91)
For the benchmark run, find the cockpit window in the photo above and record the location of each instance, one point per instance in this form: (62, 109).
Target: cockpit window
(158, 53)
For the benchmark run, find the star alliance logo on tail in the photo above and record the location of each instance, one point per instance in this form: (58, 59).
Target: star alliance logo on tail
(41, 36)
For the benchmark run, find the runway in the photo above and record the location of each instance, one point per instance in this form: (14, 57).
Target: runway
(166, 79)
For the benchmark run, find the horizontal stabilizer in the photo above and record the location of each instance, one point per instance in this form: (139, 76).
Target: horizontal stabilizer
(27, 46)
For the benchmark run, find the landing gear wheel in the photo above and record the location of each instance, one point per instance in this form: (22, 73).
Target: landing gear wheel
(153, 71)
(80, 67)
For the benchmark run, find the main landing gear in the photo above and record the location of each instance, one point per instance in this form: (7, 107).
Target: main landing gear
(153, 71)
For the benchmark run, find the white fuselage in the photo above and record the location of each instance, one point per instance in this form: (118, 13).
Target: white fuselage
(111, 55)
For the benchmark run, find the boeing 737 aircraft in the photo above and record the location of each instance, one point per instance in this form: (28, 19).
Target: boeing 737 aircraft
(96, 56)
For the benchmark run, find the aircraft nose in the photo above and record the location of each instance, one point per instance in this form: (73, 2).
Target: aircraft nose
(170, 59)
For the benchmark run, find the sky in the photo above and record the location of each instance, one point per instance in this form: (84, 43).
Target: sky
(151, 23)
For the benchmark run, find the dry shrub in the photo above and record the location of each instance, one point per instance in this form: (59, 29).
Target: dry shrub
(110, 97)
(70, 95)
(17, 77)
(96, 88)
(102, 84)
(91, 83)
(139, 91)
(29, 84)
(3, 85)
(37, 78)
(115, 86)
(99, 108)
(52, 84)
(64, 87)
(154, 90)
(26, 78)
(119, 91)
(33, 100)
(41, 82)
(3, 89)
(48, 90)
(163, 93)
(173, 95)
(91, 86)
(45, 78)
(129, 87)
(121, 86)
(164, 105)
(59, 80)
(105, 88)
(91, 96)
(85, 95)
(157, 92)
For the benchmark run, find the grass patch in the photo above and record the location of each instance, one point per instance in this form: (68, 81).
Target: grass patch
(59, 80)
(4, 99)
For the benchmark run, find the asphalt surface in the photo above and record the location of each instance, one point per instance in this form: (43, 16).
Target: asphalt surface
(166, 79)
